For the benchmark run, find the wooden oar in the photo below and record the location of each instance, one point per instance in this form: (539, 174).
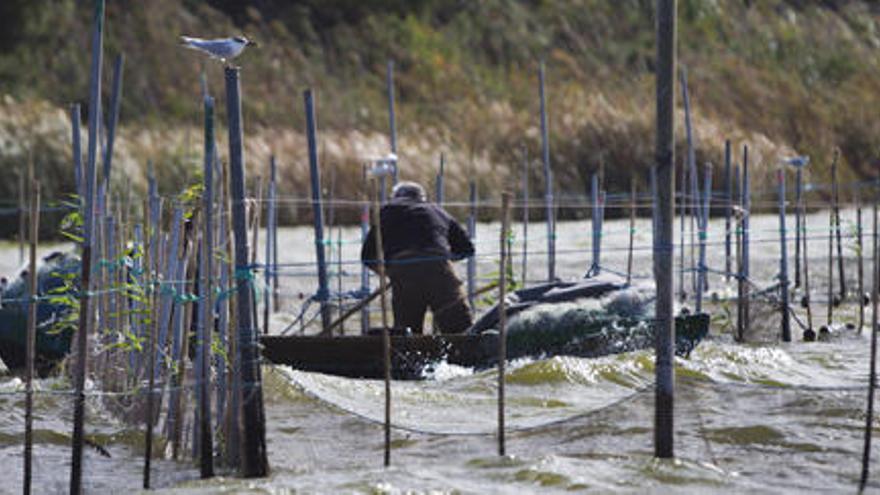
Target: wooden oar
(373, 295)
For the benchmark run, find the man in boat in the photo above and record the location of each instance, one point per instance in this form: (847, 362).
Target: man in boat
(420, 240)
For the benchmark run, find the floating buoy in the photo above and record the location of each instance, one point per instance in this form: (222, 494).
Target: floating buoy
(809, 335)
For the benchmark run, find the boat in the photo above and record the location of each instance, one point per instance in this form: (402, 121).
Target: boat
(54, 272)
(587, 318)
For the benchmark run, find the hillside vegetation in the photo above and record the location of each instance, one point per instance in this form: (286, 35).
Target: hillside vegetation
(783, 76)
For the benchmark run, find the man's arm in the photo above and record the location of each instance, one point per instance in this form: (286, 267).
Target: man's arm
(459, 242)
(368, 250)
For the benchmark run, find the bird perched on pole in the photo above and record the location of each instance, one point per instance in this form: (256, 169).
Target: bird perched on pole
(222, 49)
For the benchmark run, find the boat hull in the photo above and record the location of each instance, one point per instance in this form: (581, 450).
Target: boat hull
(412, 355)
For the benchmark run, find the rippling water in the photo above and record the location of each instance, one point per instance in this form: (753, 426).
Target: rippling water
(757, 418)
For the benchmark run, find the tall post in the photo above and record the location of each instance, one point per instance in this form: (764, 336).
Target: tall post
(268, 268)
(693, 199)
(861, 264)
(439, 186)
(783, 259)
(798, 185)
(872, 366)
(835, 197)
(548, 181)
(365, 272)
(502, 313)
(85, 308)
(728, 209)
(78, 172)
(274, 205)
(22, 215)
(317, 210)
(115, 101)
(206, 316)
(703, 226)
(597, 228)
(253, 439)
(632, 230)
(472, 234)
(392, 120)
(746, 190)
(525, 218)
(386, 337)
(30, 345)
(663, 239)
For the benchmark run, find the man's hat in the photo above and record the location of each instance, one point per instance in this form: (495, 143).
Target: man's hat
(411, 190)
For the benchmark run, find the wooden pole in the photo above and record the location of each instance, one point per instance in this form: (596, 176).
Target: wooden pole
(663, 244)
(809, 333)
(386, 337)
(115, 101)
(255, 235)
(728, 208)
(746, 239)
(835, 198)
(502, 314)
(151, 349)
(75, 118)
(692, 200)
(548, 181)
(439, 186)
(472, 234)
(861, 264)
(268, 268)
(872, 366)
(392, 119)
(86, 260)
(206, 305)
(365, 272)
(703, 226)
(831, 227)
(783, 260)
(254, 461)
(30, 346)
(318, 216)
(22, 215)
(596, 226)
(273, 204)
(525, 218)
(632, 230)
(798, 194)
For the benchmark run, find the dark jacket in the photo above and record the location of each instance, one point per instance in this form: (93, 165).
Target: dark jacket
(413, 229)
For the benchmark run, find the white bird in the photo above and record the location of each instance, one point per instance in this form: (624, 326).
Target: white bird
(222, 49)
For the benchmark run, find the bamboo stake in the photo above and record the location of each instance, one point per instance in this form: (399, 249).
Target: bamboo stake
(728, 208)
(85, 280)
(30, 347)
(22, 216)
(783, 260)
(703, 226)
(872, 366)
(746, 241)
(314, 173)
(632, 230)
(548, 181)
(809, 333)
(502, 315)
(861, 264)
(836, 208)
(663, 244)
(206, 316)
(472, 234)
(525, 218)
(254, 460)
(386, 338)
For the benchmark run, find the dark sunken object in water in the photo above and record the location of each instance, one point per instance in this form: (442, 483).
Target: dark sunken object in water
(53, 338)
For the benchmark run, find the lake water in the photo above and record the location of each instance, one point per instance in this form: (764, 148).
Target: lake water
(763, 417)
